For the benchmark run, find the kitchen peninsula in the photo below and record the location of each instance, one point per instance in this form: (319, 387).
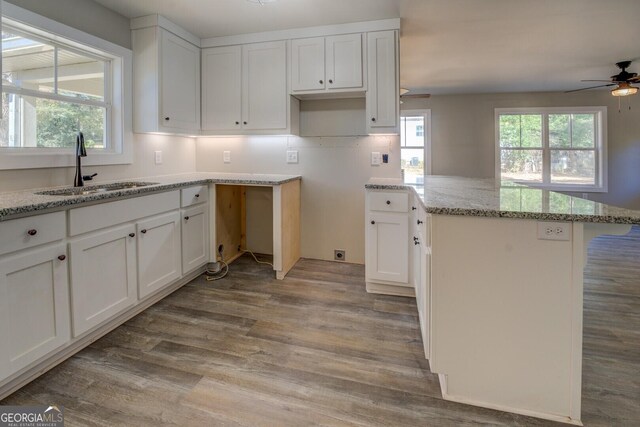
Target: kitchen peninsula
(499, 283)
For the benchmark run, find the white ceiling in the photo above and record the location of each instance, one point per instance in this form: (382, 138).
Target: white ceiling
(448, 46)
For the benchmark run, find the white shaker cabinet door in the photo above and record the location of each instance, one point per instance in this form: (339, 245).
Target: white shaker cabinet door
(387, 249)
(383, 94)
(159, 259)
(264, 86)
(221, 88)
(307, 64)
(195, 237)
(103, 276)
(344, 62)
(34, 306)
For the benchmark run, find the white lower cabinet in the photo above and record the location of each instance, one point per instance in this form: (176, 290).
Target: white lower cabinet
(34, 306)
(103, 276)
(195, 237)
(159, 260)
(388, 252)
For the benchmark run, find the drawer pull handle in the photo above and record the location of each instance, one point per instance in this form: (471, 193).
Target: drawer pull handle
(388, 202)
(143, 231)
(373, 222)
(419, 222)
(132, 234)
(62, 257)
(32, 232)
(186, 218)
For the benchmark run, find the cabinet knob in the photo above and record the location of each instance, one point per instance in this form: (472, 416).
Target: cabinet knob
(167, 118)
(32, 232)
(373, 222)
(143, 231)
(62, 257)
(132, 234)
(197, 195)
(413, 208)
(419, 222)
(237, 123)
(186, 218)
(245, 123)
(321, 81)
(388, 202)
(416, 242)
(330, 81)
(373, 119)
(415, 238)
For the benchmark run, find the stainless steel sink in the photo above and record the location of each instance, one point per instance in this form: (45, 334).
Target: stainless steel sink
(93, 189)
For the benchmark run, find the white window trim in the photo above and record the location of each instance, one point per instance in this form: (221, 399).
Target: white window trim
(601, 150)
(426, 113)
(120, 132)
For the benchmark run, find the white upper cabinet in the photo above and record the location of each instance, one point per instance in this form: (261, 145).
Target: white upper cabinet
(222, 88)
(166, 71)
(383, 97)
(245, 89)
(330, 63)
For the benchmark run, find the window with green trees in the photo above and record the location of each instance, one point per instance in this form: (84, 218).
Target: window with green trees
(554, 148)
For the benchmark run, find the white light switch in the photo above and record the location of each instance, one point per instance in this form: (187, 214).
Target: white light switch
(226, 156)
(376, 158)
(292, 156)
(158, 156)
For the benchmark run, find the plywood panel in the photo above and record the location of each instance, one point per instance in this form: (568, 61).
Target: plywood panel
(229, 219)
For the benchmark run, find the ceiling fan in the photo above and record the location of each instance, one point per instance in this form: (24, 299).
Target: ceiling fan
(623, 80)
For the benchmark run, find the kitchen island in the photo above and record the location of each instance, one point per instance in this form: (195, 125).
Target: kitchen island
(504, 290)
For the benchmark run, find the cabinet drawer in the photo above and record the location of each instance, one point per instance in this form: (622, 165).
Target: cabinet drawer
(388, 201)
(90, 218)
(194, 195)
(22, 233)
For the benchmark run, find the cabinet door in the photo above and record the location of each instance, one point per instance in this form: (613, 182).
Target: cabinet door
(425, 298)
(387, 252)
(179, 83)
(264, 86)
(34, 306)
(195, 237)
(103, 276)
(221, 88)
(307, 64)
(159, 260)
(344, 61)
(383, 92)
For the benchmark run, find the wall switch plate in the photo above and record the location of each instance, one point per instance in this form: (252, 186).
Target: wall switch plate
(226, 156)
(158, 157)
(554, 231)
(385, 158)
(292, 156)
(376, 158)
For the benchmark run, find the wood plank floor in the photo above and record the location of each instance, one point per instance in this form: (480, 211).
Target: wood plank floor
(316, 349)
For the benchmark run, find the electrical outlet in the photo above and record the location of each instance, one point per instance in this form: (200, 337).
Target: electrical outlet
(292, 156)
(376, 158)
(158, 157)
(339, 255)
(554, 230)
(226, 156)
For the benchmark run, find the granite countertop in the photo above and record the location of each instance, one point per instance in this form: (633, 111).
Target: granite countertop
(19, 203)
(449, 195)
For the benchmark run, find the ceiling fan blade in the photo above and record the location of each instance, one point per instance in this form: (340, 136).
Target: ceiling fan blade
(609, 81)
(587, 88)
(634, 79)
(416, 95)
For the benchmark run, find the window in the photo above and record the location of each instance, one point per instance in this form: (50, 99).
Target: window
(537, 200)
(53, 87)
(552, 148)
(414, 145)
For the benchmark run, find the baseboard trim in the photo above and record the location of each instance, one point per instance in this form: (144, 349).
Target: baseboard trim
(400, 291)
(33, 371)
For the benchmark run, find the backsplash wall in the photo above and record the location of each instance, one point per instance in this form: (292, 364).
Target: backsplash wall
(334, 171)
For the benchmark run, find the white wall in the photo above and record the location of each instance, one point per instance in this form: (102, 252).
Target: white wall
(334, 171)
(463, 135)
(178, 157)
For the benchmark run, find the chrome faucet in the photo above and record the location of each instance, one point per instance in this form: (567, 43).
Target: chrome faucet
(81, 151)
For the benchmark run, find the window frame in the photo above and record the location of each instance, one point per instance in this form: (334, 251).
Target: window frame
(600, 150)
(117, 98)
(426, 113)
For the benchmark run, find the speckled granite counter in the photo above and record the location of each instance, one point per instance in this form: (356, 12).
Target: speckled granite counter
(448, 195)
(20, 203)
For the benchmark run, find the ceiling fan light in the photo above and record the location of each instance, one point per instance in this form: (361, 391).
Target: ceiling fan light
(624, 89)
